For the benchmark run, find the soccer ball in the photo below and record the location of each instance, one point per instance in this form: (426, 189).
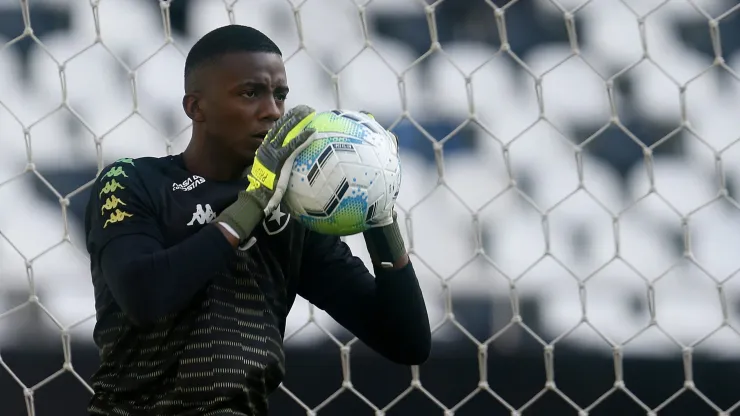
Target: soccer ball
(347, 178)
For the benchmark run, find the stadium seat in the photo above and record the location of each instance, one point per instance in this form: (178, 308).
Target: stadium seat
(475, 178)
(309, 83)
(12, 96)
(493, 83)
(610, 39)
(274, 18)
(160, 88)
(91, 94)
(34, 104)
(714, 239)
(685, 187)
(333, 34)
(712, 115)
(504, 100)
(462, 169)
(116, 20)
(395, 8)
(371, 83)
(650, 226)
(204, 16)
(34, 226)
(712, 107)
(581, 232)
(572, 92)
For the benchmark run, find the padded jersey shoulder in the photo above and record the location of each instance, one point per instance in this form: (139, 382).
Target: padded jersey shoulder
(146, 176)
(125, 198)
(147, 168)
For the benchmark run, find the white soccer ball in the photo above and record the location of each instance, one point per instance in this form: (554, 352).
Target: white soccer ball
(346, 179)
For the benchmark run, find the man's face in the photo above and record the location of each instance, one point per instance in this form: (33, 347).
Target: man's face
(242, 95)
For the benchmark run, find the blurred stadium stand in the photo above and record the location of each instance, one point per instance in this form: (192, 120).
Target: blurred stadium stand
(576, 105)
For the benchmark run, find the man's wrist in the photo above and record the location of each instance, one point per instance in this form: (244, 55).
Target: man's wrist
(385, 245)
(231, 236)
(228, 229)
(242, 216)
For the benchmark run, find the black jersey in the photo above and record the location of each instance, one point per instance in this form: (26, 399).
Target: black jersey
(225, 345)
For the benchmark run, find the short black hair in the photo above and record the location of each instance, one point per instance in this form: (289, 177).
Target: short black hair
(225, 40)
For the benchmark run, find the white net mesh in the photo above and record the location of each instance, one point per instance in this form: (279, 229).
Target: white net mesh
(621, 257)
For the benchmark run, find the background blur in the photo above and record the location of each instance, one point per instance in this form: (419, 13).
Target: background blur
(614, 242)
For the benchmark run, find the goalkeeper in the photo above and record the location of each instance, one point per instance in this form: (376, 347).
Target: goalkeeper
(195, 266)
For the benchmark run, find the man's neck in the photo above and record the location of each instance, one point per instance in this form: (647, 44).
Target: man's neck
(211, 163)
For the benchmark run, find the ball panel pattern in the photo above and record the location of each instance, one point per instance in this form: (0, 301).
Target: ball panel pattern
(347, 177)
(344, 221)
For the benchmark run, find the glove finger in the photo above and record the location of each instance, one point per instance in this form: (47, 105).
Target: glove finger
(290, 119)
(273, 132)
(303, 116)
(367, 113)
(274, 201)
(300, 139)
(394, 137)
(301, 111)
(286, 120)
(395, 141)
(296, 146)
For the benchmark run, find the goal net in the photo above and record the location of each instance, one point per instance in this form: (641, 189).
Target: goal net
(568, 198)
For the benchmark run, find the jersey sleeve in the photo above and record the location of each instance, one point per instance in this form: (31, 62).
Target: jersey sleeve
(119, 204)
(386, 311)
(331, 274)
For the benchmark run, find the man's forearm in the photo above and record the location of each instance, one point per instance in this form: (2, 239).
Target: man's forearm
(386, 311)
(149, 281)
(402, 326)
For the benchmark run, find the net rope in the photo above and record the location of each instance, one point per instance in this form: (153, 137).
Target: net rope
(478, 253)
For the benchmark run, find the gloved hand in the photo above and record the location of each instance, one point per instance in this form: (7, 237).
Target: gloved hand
(383, 240)
(388, 132)
(269, 175)
(387, 217)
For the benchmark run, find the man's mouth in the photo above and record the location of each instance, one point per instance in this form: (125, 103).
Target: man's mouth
(260, 135)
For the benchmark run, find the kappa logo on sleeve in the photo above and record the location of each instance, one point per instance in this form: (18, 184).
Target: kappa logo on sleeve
(109, 187)
(114, 172)
(111, 205)
(127, 160)
(117, 216)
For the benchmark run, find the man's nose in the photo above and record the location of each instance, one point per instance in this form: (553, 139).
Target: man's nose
(271, 110)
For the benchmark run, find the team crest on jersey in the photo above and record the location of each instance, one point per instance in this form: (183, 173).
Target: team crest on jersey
(188, 184)
(276, 221)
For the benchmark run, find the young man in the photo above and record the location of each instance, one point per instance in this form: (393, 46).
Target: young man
(195, 266)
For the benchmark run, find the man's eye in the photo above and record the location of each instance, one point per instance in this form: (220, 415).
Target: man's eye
(281, 97)
(250, 94)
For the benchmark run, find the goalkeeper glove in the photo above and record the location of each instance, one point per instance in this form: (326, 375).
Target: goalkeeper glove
(384, 218)
(269, 175)
(390, 134)
(383, 240)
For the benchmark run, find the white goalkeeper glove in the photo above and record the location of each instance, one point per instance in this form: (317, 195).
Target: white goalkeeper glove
(383, 239)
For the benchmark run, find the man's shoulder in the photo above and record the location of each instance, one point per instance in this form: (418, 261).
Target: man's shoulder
(141, 172)
(140, 166)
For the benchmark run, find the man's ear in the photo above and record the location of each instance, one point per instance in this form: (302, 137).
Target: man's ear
(191, 103)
